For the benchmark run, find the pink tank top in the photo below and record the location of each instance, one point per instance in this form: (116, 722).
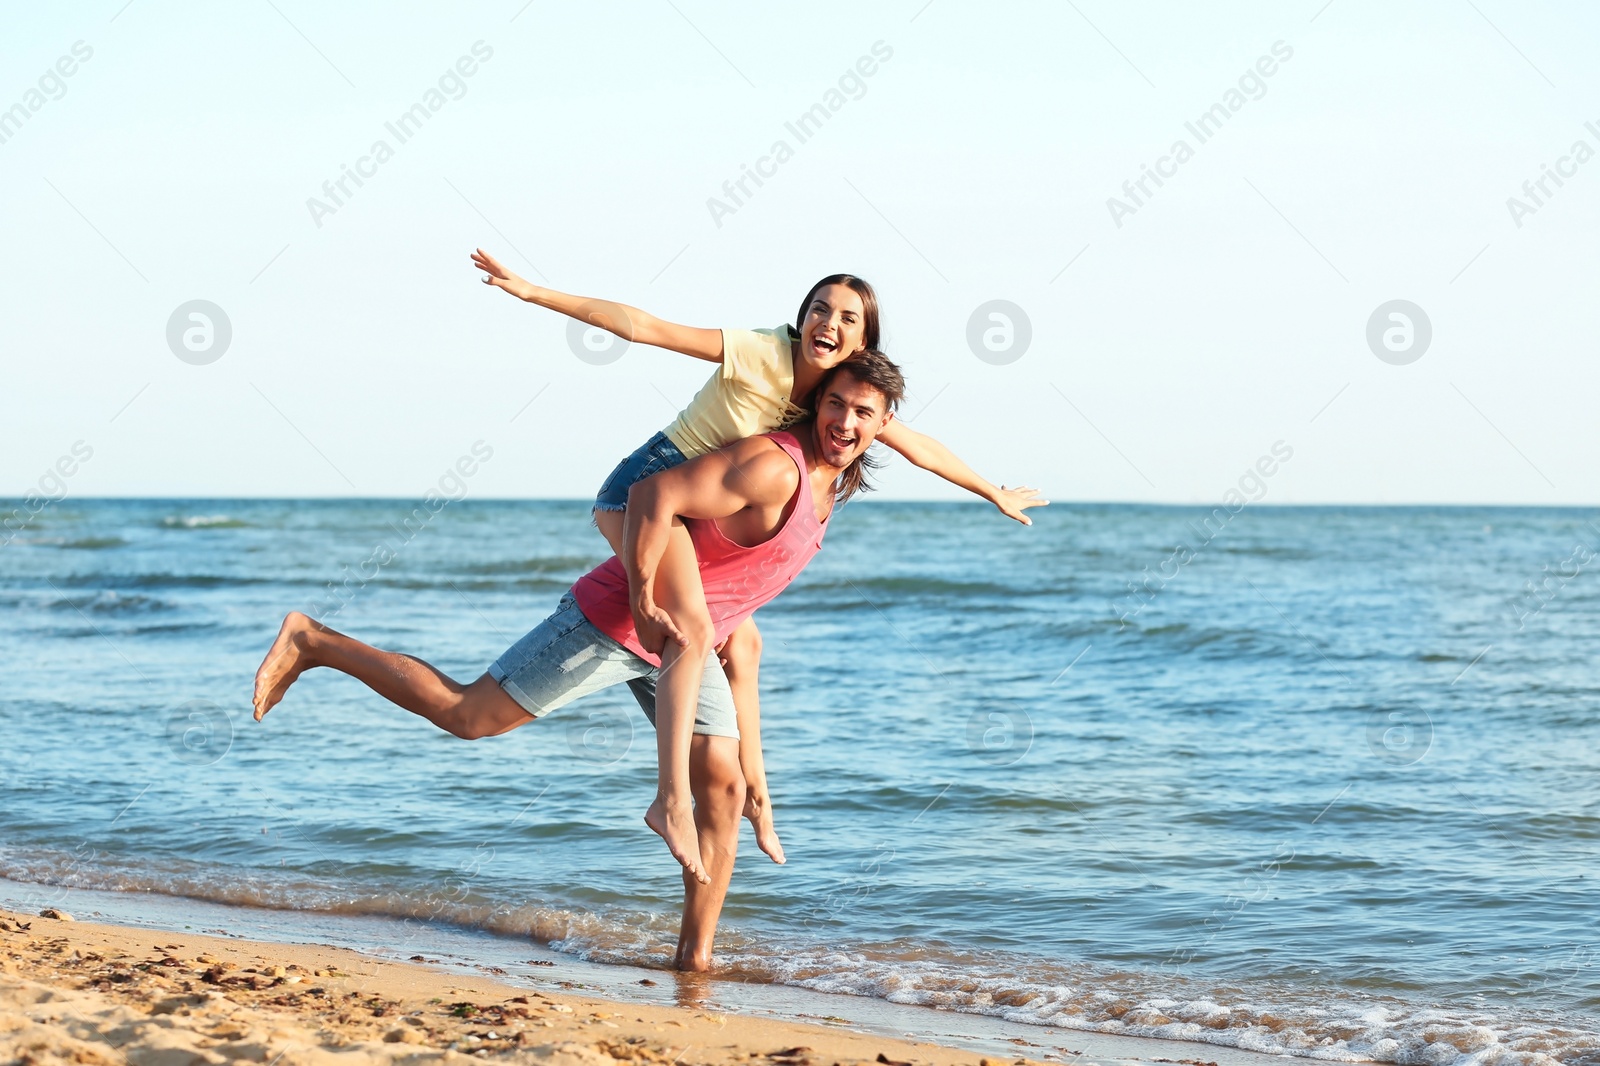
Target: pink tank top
(737, 580)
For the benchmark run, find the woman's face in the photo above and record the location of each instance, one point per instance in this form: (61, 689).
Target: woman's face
(833, 327)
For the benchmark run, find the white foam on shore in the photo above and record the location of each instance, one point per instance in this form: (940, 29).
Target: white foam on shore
(1337, 1028)
(1311, 1023)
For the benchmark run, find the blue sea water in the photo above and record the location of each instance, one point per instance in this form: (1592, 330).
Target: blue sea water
(1316, 781)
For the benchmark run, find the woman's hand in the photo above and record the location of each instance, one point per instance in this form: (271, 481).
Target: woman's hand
(500, 277)
(654, 626)
(1012, 502)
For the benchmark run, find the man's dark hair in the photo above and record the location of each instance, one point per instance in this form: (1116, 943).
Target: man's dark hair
(869, 367)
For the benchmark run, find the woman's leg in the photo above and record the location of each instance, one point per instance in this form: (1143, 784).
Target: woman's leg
(679, 593)
(481, 709)
(741, 661)
(610, 525)
(718, 797)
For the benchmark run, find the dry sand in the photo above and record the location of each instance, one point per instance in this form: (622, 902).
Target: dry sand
(76, 992)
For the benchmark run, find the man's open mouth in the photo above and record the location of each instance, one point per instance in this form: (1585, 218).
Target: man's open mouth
(840, 441)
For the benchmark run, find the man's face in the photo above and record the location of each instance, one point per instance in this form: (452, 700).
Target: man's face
(850, 415)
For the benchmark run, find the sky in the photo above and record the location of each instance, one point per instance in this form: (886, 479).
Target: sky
(1355, 269)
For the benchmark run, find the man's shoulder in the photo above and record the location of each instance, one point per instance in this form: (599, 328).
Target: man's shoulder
(765, 469)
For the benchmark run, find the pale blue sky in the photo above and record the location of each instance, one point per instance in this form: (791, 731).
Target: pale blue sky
(975, 163)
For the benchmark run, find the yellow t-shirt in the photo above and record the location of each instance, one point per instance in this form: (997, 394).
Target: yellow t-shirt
(747, 396)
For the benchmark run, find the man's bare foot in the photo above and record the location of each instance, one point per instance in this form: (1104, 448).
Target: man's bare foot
(759, 810)
(691, 965)
(674, 823)
(286, 660)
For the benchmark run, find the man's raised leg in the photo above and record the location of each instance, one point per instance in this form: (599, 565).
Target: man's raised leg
(718, 784)
(480, 709)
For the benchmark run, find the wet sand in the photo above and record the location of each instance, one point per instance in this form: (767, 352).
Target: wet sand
(78, 992)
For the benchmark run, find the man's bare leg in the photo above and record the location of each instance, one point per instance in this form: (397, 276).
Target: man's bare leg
(480, 709)
(718, 783)
(679, 593)
(741, 661)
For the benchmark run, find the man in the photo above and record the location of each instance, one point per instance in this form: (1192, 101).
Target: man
(756, 511)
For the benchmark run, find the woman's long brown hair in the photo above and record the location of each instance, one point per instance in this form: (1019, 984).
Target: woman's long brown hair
(869, 306)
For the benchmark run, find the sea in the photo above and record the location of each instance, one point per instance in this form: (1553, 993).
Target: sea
(1317, 782)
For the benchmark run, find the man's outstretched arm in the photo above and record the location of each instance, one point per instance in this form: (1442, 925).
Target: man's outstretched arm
(749, 473)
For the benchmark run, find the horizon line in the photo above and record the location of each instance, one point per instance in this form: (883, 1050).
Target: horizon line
(917, 501)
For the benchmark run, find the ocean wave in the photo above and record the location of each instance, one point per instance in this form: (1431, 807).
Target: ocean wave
(1213, 641)
(1270, 1018)
(109, 601)
(1268, 551)
(924, 585)
(569, 566)
(209, 521)
(79, 543)
(164, 579)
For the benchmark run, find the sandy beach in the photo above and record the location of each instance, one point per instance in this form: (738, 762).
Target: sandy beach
(79, 992)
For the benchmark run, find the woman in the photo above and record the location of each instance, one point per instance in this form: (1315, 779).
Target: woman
(765, 380)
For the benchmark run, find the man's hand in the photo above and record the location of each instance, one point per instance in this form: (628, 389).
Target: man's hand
(1012, 502)
(499, 276)
(654, 626)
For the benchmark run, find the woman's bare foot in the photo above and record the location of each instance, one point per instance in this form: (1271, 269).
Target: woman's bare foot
(286, 660)
(674, 823)
(758, 809)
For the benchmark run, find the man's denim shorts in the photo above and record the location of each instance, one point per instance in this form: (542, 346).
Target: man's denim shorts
(566, 657)
(653, 456)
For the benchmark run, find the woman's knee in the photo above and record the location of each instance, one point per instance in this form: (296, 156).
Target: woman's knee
(741, 655)
(744, 645)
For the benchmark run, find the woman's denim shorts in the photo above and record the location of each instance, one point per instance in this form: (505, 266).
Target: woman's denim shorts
(653, 456)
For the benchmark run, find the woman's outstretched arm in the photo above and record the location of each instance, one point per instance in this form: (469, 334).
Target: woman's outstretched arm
(629, 323)
(930, 455)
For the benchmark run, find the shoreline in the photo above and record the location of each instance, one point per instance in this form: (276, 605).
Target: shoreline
(96, 992)
(85, 992)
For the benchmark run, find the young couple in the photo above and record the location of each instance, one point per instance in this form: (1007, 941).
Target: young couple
(709, 519)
